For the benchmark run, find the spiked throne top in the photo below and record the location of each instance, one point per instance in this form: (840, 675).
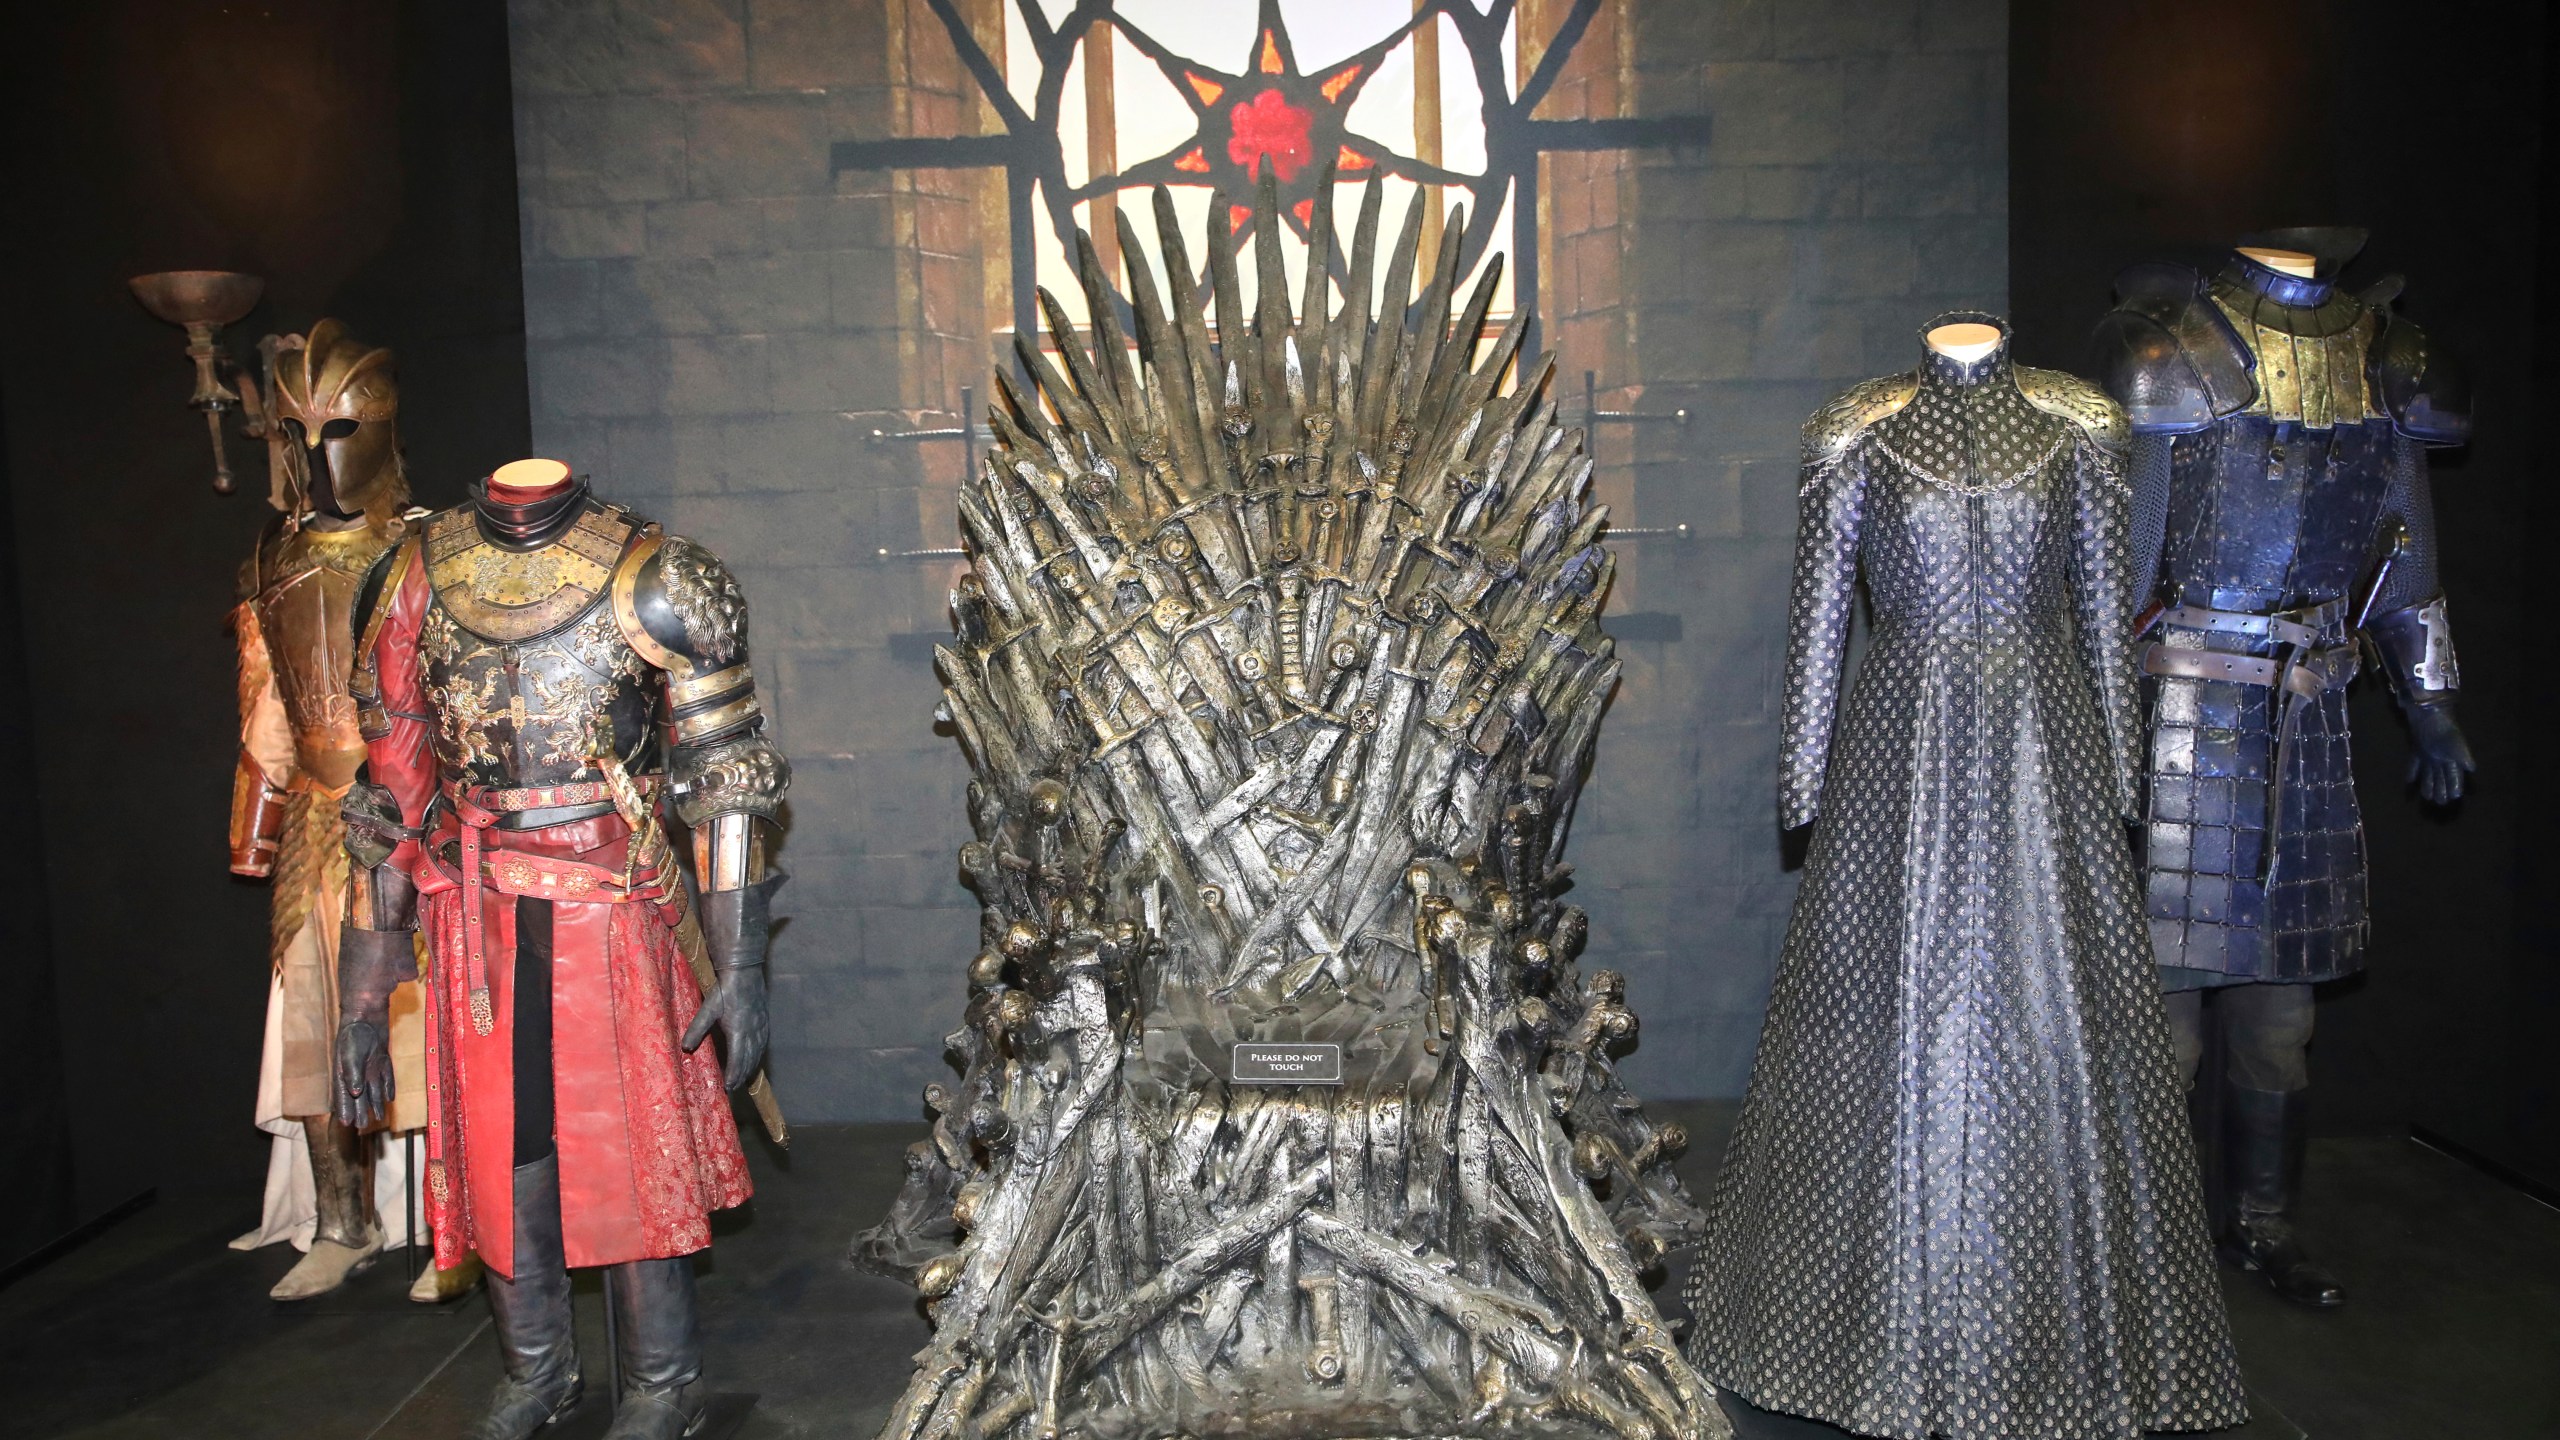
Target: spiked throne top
(1277, 611)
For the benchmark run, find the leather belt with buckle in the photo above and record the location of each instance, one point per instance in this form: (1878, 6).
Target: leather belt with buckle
(2309, 674)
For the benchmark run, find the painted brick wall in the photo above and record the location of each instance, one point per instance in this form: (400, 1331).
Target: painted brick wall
(717, 324)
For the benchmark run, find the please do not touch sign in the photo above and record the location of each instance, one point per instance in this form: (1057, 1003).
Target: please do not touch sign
(1259, 1062)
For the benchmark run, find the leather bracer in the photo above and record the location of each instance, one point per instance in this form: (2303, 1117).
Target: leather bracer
(380, 896)
(257, 820)
(2416, 646)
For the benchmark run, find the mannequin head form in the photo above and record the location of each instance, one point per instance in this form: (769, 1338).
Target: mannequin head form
(2296, 263)
(519, 481)
(1965, 341)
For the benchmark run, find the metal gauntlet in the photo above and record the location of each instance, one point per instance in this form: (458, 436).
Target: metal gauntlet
(723, 789)
(724, 792)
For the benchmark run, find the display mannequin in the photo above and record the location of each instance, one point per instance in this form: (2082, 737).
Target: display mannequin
(2280, 436)
(546, 682)
(1962, 1138)
(342, 500)
(2300, 264)
(1964, 342)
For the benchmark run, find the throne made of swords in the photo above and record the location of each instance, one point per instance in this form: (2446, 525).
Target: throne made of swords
(1287, 1108)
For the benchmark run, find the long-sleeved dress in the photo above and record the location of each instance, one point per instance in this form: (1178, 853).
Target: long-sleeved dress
(1960, 1199)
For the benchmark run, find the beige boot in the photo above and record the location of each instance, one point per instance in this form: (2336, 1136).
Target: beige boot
(326, 1268)
(435, 1287)
(348, 1242)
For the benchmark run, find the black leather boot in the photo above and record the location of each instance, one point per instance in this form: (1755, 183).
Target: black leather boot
(2264, 1134)
(532, 1311)
(660, 1339)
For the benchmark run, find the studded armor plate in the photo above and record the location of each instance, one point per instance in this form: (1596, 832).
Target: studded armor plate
(1960, 1200)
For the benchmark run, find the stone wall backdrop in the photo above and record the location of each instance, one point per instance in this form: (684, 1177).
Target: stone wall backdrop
(718, 322)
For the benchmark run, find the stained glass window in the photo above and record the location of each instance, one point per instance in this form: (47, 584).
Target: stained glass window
(1102, 100)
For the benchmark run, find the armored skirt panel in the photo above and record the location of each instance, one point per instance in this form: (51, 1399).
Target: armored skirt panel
(1960, 1199)
(2253, 846)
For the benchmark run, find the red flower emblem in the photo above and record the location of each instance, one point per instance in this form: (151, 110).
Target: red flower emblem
(1268, 127)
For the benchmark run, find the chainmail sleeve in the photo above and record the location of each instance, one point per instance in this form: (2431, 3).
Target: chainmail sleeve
(1829, 506)
(2147, 472)
(2106, 594)
(2411, 501)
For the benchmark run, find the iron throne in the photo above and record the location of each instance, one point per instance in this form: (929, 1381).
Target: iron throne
(1278, 668)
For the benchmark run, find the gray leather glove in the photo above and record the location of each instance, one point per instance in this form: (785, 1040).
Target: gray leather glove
(2443, 757)
(737, 927)
(371, 964)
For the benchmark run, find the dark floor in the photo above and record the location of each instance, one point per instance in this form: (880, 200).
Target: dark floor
(155, 1329)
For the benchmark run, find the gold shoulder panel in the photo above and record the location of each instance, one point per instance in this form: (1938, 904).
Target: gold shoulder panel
(626, 610)
(1847, 415)
(509, 595)
(2318, 381)
(2076, 400)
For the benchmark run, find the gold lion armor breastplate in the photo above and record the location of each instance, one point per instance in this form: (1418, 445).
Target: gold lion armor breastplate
(530, 674)
(307, 582)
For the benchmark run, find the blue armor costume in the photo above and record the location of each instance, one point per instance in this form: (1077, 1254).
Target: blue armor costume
(2279, 462)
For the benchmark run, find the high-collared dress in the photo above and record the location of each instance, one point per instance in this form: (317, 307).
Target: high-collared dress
(1960, 1199)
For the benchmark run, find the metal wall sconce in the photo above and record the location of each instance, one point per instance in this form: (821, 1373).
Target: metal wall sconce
(204, 301)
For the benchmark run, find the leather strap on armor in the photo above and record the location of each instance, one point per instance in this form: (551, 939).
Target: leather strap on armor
(2303, 669)
(541, 797)
(516, 872)
(2283, 628)
(2306, 674)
